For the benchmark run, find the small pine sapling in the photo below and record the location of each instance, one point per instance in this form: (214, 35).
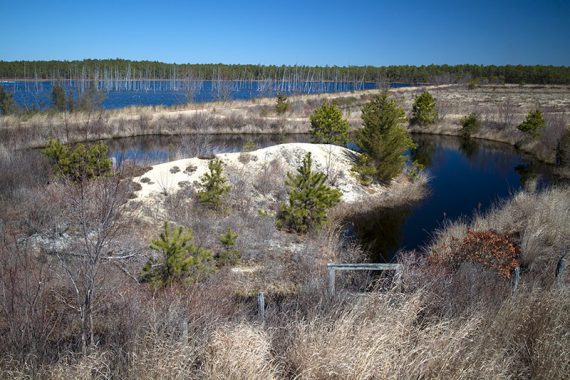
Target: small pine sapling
(533, 124)
(229, 255)
(180, 260)
(424, 111)
(309, 199)
(470, 124)
(328, 125)
(282, 104)
(214, 186)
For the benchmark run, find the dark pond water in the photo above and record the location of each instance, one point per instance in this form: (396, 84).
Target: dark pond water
(36, 94)
(466, 177)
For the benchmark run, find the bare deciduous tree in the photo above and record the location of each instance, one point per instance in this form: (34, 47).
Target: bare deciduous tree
(92, 217)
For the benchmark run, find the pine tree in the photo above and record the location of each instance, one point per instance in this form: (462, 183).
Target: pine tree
(80, 162)
(282, 104)
(7, 105)
(383, 140)
(230, 255)
(58, 98)
(328, 126)
(533, 124)
(180, 260)
(309, 199)
(423, 109)
(470, 124)
(214, 186)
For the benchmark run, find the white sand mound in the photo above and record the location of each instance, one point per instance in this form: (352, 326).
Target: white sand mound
(332, 160)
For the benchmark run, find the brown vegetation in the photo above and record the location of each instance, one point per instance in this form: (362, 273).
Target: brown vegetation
(438, 323)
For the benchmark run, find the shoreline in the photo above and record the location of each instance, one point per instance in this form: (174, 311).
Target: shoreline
(257, 117)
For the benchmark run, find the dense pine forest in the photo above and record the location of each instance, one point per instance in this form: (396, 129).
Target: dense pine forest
(120, 69)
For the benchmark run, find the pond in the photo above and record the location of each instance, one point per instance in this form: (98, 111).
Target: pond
(466, 177)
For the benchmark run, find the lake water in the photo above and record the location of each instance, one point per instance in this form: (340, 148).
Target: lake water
(466, 177)
(118, 94)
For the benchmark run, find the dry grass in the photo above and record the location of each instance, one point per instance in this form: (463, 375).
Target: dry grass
(540, 222)
(240, 352)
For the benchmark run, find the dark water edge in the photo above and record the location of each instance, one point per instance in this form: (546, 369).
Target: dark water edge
(466, 177)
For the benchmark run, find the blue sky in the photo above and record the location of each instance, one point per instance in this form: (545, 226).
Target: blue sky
(319, 32)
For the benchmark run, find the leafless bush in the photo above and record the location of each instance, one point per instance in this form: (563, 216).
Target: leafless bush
(555, 125)
(28, 312)
(270, 179)
(506, 112)
(443, 108)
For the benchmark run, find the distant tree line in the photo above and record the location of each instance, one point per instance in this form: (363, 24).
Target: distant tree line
(120, 69)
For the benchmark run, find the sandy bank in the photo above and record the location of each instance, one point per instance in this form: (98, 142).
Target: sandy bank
(333, 160)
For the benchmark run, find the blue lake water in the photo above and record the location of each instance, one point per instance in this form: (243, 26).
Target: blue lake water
(118, 94)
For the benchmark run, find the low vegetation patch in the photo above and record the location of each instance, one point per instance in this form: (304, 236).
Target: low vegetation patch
(489, 248)
(533, 124)
(80, 162)
(424, 110)
(470, 125)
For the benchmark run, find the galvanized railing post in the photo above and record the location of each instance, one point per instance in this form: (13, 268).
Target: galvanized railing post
(516, 279)
(332, 275)
(261, 306)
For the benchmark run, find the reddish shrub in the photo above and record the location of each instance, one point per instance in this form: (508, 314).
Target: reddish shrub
(489, 248)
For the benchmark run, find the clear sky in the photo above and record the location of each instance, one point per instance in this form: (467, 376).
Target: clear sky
(319, 32)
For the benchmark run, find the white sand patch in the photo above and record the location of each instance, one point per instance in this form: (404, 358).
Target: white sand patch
(332, 160)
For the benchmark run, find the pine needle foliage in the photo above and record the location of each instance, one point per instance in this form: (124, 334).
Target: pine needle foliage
(383, 140)
(214, 186)
(470, 124)
(7, 105)
(229, 255)
(533, 124)
(309, 199)
(328, 126)
(58, 99)
(80, 162)
(282, 104)
(180, 260)
(424, 111)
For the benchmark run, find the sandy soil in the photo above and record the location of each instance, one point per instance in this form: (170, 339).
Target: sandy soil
(333, 160)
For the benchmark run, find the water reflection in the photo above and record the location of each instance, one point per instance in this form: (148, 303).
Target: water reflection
(380, 231)
(150, 150)
(468, 147)
(466, 176)
(424, 151)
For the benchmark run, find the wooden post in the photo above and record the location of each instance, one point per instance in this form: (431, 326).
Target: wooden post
(516, 279)
(261, 306)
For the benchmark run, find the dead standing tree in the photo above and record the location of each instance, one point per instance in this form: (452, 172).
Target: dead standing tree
(92, 217)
